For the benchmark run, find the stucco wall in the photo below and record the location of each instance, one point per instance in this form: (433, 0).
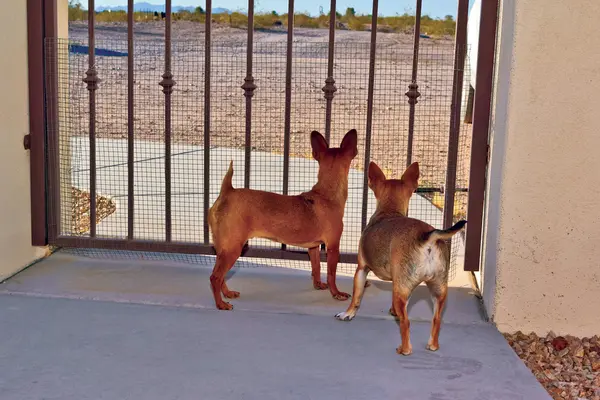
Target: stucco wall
(542, 255)
(16, 251)
(15, 226)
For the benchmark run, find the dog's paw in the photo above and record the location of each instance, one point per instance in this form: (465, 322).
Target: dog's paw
(404, 350)
(341, 296)
(320, 285)
(224, 306)
(345, 316)
(231, 294)
(392, 312)
(432, 347)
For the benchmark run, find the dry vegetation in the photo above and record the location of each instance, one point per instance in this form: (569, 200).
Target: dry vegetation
(348, 20)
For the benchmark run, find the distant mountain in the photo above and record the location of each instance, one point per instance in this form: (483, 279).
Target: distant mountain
(143, 6)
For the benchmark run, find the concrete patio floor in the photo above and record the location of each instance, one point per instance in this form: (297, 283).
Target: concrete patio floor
(153, 333)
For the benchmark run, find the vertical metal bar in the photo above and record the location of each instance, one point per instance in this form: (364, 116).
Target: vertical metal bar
(51, 120)
(469, 111)
(460, 50)
(130, 125)
(481, 124)
(249, 88)
(37, 146)
(207, 55)
(413, 89)
(50, 24)
(288, 98)
(365, 195)
(167, 84)
(288, 101)
(329, 87)
(91, 79)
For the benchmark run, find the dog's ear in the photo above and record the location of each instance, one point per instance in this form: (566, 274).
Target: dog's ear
(411, 175)
(319, 145)
(376, 177)
(350, 143)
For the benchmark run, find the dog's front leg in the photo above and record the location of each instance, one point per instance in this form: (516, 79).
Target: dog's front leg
(360, 277)
(315, 260)
(439, 291)
(333, 256)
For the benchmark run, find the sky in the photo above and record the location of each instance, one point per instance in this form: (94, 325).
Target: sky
(433, 8)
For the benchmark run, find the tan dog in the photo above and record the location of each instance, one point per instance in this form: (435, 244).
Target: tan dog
(306, 220)
(403, 250)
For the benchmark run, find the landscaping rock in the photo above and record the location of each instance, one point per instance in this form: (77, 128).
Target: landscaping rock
(568, 367)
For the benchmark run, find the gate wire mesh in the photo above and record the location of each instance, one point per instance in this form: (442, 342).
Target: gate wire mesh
(389, 133)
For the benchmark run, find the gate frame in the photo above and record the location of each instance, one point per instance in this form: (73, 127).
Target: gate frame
(37, 29)
(480, 148)
(42, 24)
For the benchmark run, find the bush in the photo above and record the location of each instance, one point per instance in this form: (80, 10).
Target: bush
(112, 16)
(305, 21)
(355, 24)
(265, 20)
(76, 13)
(401, 23)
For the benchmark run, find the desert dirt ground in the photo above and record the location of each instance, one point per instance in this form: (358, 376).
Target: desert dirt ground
(393, 69)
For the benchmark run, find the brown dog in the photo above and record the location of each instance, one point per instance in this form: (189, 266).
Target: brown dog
(403, 250)
(306, 220)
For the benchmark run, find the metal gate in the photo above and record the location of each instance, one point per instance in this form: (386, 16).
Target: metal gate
(396, 100)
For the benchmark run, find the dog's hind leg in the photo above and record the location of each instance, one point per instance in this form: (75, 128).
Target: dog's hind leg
(439, 291)
(400, 303)
(224, 262)
(230, 294)
(315, 262)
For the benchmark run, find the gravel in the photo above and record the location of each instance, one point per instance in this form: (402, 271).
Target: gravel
(568, 367)
(81, 210)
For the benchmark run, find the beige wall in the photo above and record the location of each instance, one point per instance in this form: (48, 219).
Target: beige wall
(15, 224)
(62, 9)
(542, 250)
(16, 251)
(63, 107)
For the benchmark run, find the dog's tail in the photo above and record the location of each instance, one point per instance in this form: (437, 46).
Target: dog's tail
(437, 234)
(227, 184)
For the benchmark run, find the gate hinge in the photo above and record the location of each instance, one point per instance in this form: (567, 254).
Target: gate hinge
(27, 142)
